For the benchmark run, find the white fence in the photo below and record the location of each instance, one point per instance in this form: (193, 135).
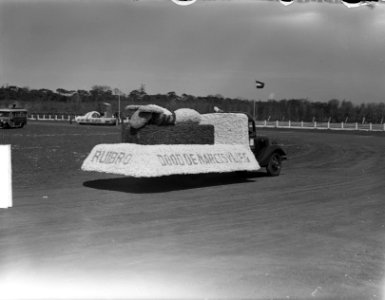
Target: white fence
(321, 125)
(268, 124)
(49, 117)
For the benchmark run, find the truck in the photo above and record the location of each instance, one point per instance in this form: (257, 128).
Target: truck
(13, 117)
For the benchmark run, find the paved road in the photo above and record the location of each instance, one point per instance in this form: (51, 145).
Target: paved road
(315, 231)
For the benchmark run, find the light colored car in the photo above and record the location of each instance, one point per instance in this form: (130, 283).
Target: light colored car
(95, 118)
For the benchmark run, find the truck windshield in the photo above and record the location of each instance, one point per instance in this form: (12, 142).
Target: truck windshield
(4, 114)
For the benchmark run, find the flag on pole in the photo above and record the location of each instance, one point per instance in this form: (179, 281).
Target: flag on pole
(259, 84)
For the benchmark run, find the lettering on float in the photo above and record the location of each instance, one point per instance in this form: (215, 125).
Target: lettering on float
(111, 157)
(190, 159)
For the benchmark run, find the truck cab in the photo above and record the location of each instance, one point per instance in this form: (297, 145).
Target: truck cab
(268, 154)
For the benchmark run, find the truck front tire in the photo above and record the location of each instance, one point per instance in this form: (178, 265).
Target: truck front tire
(274, 165)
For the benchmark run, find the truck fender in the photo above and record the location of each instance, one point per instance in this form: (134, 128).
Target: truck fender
(264, 158)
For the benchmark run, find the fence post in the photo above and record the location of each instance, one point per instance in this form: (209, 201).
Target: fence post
(328, 124)
(356, 126)
(265, 123)
(55, 117)
(370, 126)
(315, 124)
(277, 123)
(289, 124)
(342, 125)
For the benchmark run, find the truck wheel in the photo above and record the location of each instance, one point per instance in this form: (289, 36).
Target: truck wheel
(274, 166)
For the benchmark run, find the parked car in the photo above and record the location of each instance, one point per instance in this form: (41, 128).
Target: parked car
(95, 118)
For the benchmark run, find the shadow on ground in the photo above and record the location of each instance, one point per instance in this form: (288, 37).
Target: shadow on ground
(171, 183)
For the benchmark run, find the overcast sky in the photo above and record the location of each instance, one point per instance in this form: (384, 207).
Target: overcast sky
(315, 51)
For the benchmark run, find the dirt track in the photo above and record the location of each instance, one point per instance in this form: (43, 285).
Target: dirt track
(316, 231)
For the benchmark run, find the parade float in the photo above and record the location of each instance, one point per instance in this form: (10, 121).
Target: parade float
(157, 142)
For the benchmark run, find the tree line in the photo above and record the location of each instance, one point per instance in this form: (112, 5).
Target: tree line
(82, 101)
